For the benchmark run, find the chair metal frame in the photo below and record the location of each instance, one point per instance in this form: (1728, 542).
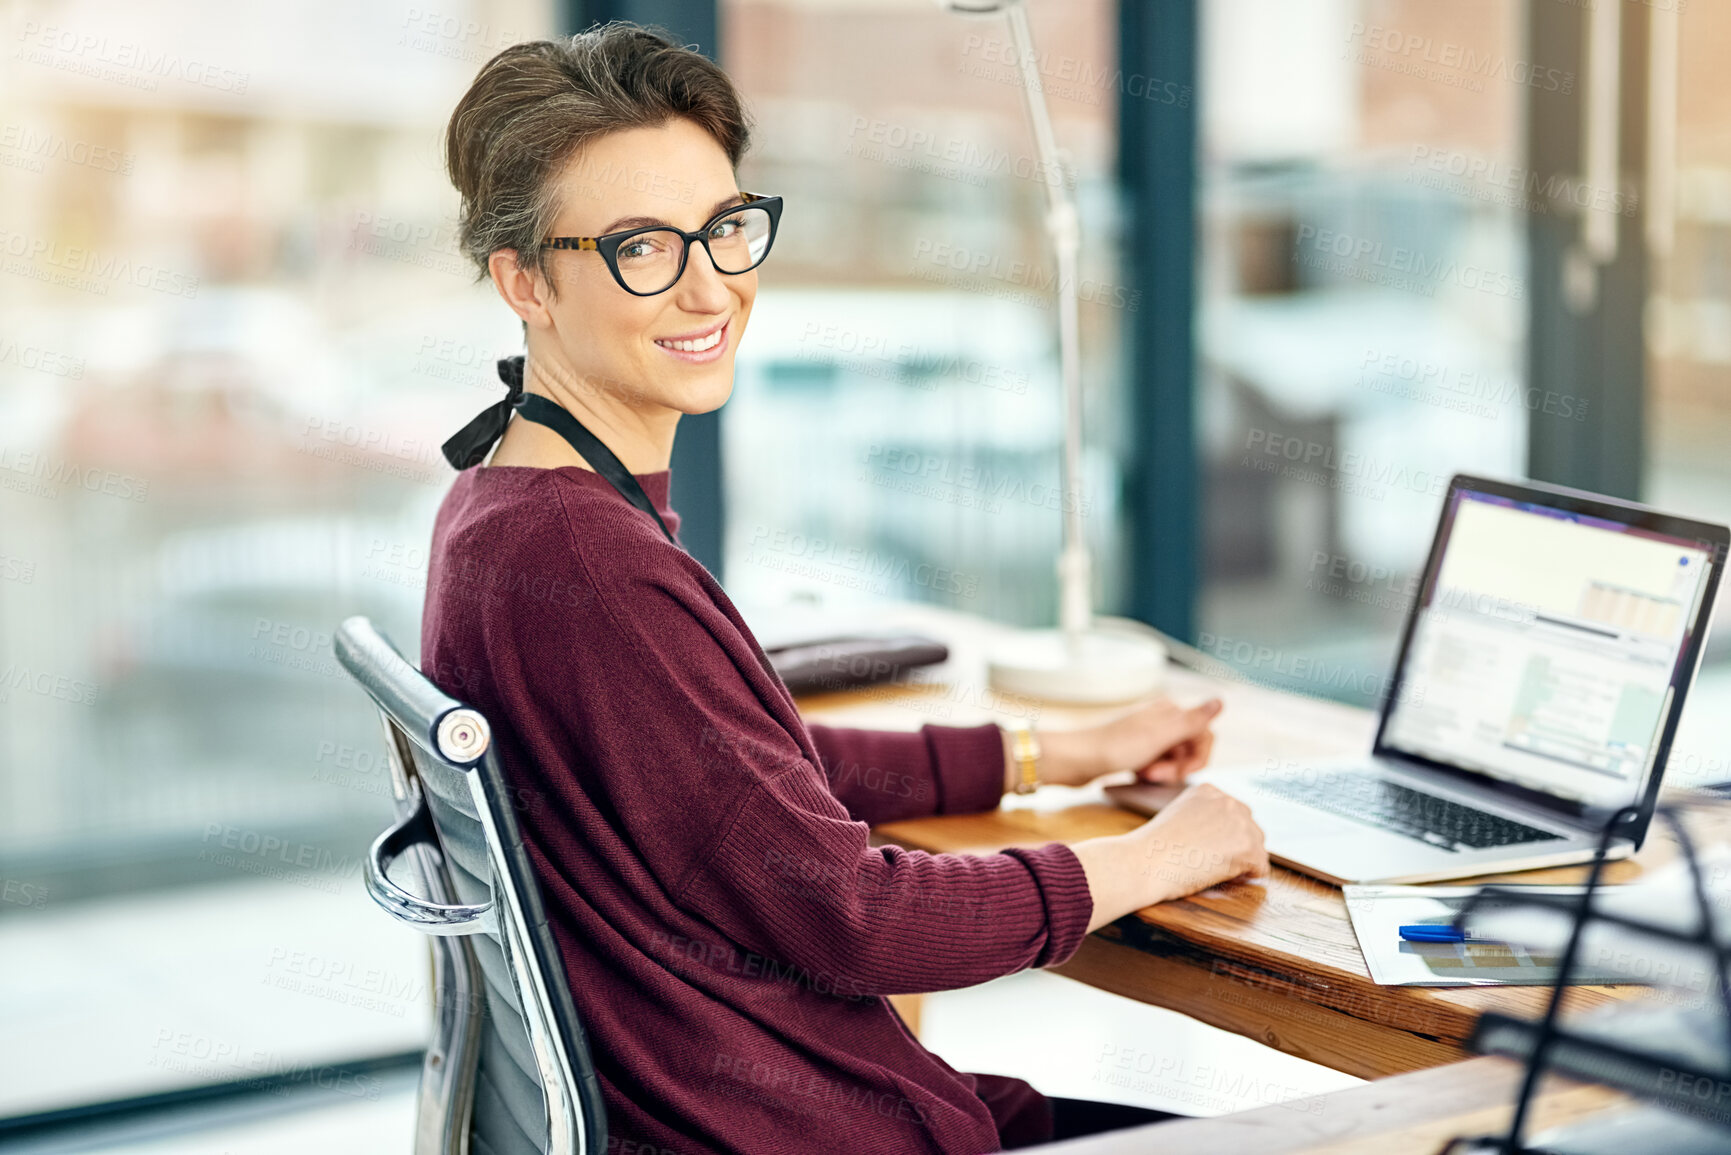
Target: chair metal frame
(421, 721)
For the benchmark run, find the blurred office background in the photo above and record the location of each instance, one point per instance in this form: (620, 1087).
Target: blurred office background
(1335, 250)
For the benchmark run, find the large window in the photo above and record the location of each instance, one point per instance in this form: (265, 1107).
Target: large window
(1363, 303)
(234, 329)
(895, 425)
(1689, 324)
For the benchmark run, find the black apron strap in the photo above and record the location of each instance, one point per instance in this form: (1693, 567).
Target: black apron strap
(544, 411)
(470, 445)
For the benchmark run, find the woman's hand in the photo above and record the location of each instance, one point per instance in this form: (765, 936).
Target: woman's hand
(1203, 838)
(1162, 742)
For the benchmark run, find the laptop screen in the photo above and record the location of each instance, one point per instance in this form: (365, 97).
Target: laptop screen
(1545, 648)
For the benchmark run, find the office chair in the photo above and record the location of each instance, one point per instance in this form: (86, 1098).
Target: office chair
(508, 1070)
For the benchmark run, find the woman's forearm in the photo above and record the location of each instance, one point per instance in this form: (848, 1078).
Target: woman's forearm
(1117, 877)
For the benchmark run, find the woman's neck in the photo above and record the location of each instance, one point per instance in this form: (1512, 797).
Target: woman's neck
(638, 431)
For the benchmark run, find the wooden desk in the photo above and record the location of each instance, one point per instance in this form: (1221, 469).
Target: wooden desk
(1414, 1114)
(1276, 962)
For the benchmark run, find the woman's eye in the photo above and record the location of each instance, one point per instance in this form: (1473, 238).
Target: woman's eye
(724, 229)
(636, 250)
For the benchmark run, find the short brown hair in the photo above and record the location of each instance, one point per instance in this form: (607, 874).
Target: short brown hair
(535, 104)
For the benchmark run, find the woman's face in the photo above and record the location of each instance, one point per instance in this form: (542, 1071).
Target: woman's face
(674, 349)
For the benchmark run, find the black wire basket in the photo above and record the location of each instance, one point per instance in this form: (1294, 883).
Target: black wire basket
(1674, 1057)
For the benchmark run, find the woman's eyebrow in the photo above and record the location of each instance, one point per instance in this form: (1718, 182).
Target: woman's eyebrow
(632, 223)
(652, 222)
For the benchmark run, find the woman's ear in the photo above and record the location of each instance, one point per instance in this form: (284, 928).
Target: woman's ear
(524, 290)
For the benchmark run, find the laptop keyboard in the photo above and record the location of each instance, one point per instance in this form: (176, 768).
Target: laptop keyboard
(1426, 817)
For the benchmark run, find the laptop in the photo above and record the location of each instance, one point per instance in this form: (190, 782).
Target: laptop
(1541, 674)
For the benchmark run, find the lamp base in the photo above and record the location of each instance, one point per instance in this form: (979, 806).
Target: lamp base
(1088, 667)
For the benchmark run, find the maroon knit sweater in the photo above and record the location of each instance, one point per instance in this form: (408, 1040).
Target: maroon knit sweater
(728, 930)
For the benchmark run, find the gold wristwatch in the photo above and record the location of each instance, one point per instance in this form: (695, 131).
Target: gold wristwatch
(1027, 755)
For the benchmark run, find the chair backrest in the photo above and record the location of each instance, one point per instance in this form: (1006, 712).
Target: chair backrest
(509, 1070)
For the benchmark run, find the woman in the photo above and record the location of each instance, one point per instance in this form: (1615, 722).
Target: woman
(728, 931)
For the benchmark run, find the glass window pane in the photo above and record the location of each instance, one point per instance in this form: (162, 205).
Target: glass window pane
(234, 329)
(1689, 318)
(1363, 313)
(896, 419)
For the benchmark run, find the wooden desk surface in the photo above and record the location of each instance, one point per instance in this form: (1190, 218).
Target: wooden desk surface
(1277, 962)
(1413, 1114)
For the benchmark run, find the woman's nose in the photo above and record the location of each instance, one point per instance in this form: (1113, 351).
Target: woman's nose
(701, 287)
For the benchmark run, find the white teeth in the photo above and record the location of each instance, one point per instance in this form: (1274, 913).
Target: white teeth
(700, 345)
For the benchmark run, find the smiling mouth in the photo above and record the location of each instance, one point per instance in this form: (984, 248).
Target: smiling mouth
(697, 344)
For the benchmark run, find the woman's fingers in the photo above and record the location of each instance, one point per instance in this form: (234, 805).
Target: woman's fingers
(1162, 743)
(1165, 770)
(1181, 761)
(1197, 752)
(1184, 725)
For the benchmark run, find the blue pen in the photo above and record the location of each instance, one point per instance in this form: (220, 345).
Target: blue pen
(1435, 932)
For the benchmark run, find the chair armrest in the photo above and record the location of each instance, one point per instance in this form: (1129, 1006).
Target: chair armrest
(412, 910)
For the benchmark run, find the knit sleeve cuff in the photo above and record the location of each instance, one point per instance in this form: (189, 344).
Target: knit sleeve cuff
(968, 764)
(1064, 893)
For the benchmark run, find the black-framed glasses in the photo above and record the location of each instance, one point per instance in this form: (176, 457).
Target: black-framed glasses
(651, 260)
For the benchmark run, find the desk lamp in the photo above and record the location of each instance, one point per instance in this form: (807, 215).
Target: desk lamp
(1082, 661)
